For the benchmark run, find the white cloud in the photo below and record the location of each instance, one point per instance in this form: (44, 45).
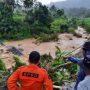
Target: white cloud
(48, 1)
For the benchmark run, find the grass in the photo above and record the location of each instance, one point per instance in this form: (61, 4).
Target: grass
(17, 17)
(87, 21)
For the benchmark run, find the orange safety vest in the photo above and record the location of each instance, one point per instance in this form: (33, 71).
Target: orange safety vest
(31, 77)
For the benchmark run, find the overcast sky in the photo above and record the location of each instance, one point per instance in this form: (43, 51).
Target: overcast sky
(48, 1)
(45, 1)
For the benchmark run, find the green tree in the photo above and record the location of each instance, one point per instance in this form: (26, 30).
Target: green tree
(39, 18)
(60, 12)
(11, 3)
(74, 22)
(28, 3)
(53, 10)
(64, 27)
(6, 19)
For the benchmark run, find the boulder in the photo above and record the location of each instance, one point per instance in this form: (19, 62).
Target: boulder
(80, 32)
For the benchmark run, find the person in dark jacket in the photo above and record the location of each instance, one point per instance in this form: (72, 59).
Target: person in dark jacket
(86, 54)
(85, 83)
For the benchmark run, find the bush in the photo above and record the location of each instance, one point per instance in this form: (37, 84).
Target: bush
(64, 27)
(73, 22)
(3, 75)
(62, 74)
(55, 25)
(2, 66)
(18, 17)
(86, 24)
(18, 63)
(47, 37)
(87, 27)
(19, 30)
(71, 30)
(37, 28)
(45, 59)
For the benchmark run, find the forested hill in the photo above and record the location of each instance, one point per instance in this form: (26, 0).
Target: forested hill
(72, 4)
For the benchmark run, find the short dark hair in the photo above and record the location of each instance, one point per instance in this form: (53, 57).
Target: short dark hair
(34, 57)
(86, 46)
(86, 63)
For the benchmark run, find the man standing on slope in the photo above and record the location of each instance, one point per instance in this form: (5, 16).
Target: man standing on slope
(31, 77)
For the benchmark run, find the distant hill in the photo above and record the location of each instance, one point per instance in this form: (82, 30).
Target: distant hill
(72, 4)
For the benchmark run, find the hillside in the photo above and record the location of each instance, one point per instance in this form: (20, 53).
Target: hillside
(72, 4)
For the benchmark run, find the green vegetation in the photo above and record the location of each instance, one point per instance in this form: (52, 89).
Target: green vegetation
(35, 21)
(20, 26)
(3, 75)
(85, 23)
(18, 17)
(59, 75)
(55, 25)
(81, 12)
(2, 66)
(18, 63)
(46, 37)
(64, 24)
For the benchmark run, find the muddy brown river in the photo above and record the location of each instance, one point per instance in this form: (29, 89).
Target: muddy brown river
(66, 42)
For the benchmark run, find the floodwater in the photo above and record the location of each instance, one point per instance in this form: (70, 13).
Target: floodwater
(66, 42)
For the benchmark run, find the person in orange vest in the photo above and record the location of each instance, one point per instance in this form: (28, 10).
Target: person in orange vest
(30, 77)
